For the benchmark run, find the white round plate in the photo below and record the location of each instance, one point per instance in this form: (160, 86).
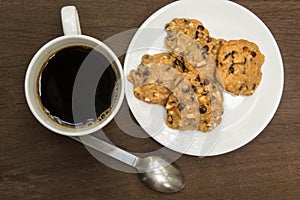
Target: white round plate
(244, 117)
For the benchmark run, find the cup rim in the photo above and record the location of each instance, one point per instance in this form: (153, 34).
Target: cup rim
(50, 124)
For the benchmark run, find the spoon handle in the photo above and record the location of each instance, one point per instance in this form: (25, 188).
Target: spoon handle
(108, 149)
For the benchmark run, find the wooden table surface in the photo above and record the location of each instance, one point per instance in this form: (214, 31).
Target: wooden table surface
(38, 164)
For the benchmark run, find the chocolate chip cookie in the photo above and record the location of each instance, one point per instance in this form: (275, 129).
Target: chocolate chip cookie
(210, 101)
(176, 83)
(189, 39)
(154, 85)
(156, 93)
(239, 67)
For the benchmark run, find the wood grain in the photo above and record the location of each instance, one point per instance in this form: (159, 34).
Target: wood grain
(37, 164)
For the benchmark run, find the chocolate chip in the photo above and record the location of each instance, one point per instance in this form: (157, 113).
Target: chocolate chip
(200, 27)
(145, 80)
(253, 54)
(202, 109)
(253, 86)
(186, 21)
(166, 26)
(196, 34)
(245, 60)
(183, 67)
(205, 48)
(209, 40)
(241, 87)
(204, 93)
(159, 81)
(198, 78)
(185, 90)
(231, 69)
(232, 54)
(177, 62)
(180, 62)
(180, 106)
(227, 55)
(146, 72)
(206, 82)
(245, 49)
(173, 102)
(194, 88)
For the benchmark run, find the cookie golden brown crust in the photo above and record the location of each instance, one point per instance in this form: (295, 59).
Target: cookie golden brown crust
(239, 67)
(152, 93)
(164, 59)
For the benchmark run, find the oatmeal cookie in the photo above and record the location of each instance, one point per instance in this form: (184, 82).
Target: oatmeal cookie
(156, 93)
(189, 39)
(173, 80)
(239, 67)
(164, 80)
(210, 101)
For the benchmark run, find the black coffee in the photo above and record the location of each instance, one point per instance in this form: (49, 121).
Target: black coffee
(77, 85)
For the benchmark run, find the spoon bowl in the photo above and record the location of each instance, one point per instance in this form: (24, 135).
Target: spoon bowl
(158, 174)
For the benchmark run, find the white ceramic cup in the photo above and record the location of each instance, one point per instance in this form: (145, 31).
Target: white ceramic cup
(72, 37)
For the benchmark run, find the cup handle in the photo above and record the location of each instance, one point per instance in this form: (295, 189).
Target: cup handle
(70, 20)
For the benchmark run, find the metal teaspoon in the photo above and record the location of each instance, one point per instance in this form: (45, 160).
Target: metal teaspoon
(155, 172)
